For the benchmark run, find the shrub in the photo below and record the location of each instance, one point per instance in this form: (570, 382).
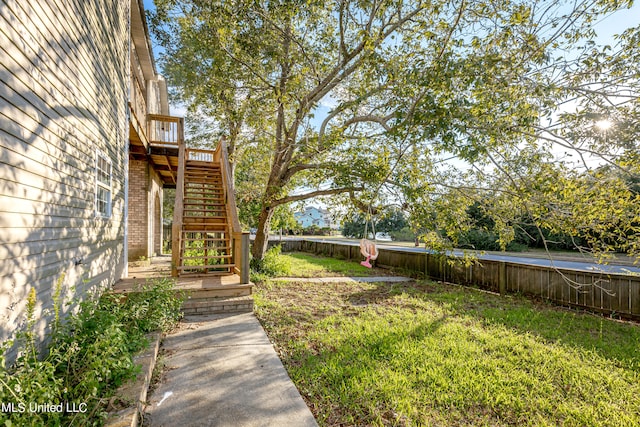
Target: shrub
(403, 235)
(87, 359)
(272, 265)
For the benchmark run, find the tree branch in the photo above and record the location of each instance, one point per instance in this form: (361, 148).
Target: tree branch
(382, 121)
(317, 193)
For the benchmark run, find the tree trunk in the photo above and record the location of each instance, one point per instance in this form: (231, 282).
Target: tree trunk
(261, 241)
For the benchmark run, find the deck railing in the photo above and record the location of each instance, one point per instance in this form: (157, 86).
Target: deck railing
(200, 155)
(239, 238)
(165, 130)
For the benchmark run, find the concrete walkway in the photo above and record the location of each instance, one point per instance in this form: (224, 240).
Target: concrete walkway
(223, 371)
(380, 279)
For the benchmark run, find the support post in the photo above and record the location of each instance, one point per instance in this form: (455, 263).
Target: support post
(502, 278)
(241, 255)
(426, 265)
(176, 229)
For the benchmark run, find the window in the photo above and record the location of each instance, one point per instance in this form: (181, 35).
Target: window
(103, 185)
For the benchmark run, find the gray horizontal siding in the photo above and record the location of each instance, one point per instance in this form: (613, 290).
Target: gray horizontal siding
(64, 68)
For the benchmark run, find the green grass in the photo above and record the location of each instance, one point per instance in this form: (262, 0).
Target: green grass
(308, 265)
(430, 354)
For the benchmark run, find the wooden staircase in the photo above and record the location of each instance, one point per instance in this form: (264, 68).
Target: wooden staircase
(210, 252)
(206, 235)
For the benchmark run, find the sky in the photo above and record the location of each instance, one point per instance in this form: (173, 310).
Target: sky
(617, 22)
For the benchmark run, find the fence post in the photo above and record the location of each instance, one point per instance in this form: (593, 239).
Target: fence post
(502, 278)
(426, 265)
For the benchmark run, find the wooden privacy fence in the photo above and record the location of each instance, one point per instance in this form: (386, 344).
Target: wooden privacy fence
(607, 293)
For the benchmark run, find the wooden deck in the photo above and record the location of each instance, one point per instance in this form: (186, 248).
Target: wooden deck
(196, 287)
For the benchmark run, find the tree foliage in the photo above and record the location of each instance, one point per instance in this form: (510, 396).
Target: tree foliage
(366, 100)
(391, 220)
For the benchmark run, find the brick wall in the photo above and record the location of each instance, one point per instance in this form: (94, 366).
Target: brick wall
(138, 209)
(155, 213)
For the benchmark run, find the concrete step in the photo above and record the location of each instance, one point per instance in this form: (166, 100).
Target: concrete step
(218, 305)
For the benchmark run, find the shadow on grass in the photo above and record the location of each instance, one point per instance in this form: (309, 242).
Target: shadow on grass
(611, 339)
(351, 380)
(425, 353)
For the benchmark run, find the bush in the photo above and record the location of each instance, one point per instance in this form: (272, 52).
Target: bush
(403, 235)
(272, 265)
(87, 359)
(479, 239)
(314, 230)
(517, 247)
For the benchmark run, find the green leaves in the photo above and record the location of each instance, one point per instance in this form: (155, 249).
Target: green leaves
(369, 97)
(88, 357)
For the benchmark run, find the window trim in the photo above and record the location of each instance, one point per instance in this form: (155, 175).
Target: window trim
(101, 185)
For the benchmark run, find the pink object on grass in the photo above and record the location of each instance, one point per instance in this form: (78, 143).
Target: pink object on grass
(368, 249)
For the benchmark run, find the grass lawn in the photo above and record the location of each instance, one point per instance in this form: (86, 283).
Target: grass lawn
(309, 265)
(423, 353)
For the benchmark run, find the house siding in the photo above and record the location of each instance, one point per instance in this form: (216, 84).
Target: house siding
(63, 95)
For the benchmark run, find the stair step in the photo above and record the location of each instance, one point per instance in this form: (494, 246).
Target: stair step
(214, 174)
(190, 192)
(203, 205)
(209, 274)
(190, 219)
(198, 227)
(205, 220)
(207, 193)
(223, 211)
(205, 199)
(198, 164)
(193, 187)
(200, 306)
(211, 212)
(192, 201)
(196, 230)
(202, 182)
(204, 267)
(202, 189)
(193, 165)
(202, 179)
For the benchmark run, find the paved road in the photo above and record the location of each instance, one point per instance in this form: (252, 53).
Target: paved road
(518, 259)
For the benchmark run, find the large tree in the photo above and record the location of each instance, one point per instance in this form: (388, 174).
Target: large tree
(363, 98)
